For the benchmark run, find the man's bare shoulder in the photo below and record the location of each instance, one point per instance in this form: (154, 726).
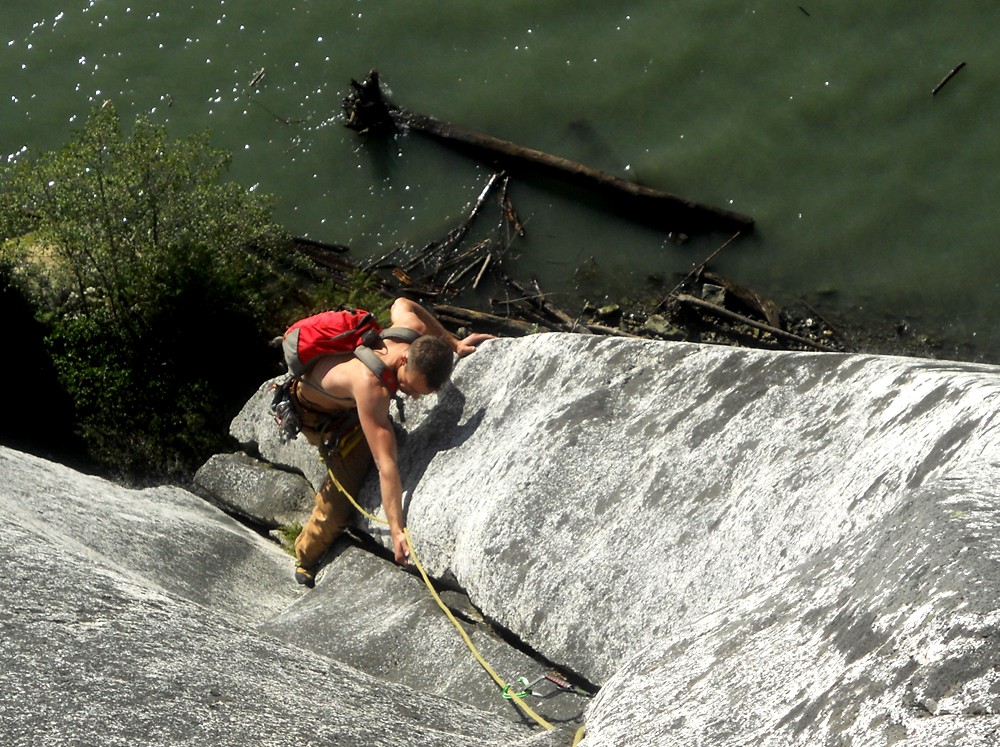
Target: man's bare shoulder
(367, 389)
(403, 313)
(348, 377)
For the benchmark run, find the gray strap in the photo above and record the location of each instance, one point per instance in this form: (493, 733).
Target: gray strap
(377, 367)
(367, 356)
(290, 349)
(372, 361)
(400, 334)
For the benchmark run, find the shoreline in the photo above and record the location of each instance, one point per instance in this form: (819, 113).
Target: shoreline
(734, 323)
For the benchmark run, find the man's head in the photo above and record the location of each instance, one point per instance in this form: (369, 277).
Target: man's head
(429, 362)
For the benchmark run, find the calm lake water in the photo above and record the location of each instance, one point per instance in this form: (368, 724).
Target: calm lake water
(874, 200)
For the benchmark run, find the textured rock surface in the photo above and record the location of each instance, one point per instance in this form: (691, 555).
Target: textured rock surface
(741, 547)
(116, 628)
(645, 485)
(164, 538)
(371, 615)
(256, 490)
(890, 638)
(601, 497)
(256, 433)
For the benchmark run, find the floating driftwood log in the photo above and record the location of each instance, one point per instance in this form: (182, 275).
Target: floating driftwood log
(369, 111)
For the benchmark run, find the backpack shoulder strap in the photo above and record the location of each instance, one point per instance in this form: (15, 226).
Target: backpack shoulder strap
(377, 367)
(383, 374)
(400, 334)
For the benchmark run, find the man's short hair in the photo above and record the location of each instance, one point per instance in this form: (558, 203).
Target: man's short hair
(433, 359)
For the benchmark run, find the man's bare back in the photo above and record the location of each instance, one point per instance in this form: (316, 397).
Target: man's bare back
(332, 384)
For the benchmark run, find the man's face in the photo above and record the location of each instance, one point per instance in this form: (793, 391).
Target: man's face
(411, 382)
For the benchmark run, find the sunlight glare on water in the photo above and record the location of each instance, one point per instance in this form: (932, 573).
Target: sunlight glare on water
(871, 196)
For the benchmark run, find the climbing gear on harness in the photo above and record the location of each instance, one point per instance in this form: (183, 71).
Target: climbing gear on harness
(519, 702)
(340, 428)
(286, 411)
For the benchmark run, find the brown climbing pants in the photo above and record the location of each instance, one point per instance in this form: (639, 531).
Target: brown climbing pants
(350, 459)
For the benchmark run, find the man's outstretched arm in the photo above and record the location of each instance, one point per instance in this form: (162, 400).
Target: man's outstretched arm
(373, 412)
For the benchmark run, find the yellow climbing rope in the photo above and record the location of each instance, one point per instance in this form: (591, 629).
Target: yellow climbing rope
(454, 621)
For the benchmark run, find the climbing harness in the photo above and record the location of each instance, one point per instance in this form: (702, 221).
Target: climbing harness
(505, 686)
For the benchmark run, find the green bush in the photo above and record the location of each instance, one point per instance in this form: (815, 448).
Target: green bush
(157, 286)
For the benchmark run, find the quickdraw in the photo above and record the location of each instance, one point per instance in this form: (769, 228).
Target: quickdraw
(529, 688)
(525, 689)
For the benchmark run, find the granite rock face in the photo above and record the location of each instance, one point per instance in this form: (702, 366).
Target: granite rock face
(117, 629)
(889, 638)
(366, 613)
(255, 490)
(739, 547)
(603, 498)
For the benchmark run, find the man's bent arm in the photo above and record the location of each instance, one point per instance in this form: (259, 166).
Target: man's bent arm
(407, 313)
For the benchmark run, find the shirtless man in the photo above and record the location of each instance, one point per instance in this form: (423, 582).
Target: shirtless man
(341, 385)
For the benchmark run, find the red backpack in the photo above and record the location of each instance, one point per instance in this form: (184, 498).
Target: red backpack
(339, 331)
(345, 330)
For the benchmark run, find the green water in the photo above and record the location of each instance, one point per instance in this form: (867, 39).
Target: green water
(874, 200)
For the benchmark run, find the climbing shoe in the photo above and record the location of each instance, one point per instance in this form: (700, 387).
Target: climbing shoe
(304, 577)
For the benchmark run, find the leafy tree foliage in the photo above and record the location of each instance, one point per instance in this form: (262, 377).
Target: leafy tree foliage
(156, 284)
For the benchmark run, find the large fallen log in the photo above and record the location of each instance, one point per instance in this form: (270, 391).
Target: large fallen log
(368, 110)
